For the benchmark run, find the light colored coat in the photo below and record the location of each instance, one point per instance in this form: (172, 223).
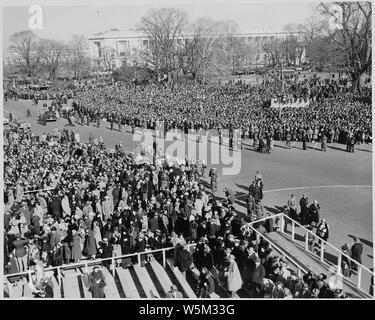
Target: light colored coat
(234, 280)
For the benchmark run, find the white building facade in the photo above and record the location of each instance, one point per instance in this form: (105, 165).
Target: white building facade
(114, 48)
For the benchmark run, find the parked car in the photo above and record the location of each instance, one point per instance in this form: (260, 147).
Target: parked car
(5, 121)
(22, 124)
(49, 116)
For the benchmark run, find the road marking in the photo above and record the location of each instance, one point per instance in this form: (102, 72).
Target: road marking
(311, 187)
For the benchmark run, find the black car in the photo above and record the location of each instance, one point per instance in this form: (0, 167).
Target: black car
(49, 116)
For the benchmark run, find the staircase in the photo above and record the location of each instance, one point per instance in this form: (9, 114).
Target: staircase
(135, 282)
(310, 261)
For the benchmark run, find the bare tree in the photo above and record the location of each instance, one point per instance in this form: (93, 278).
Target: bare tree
(273, 49)
(108, 54)
(25, 52)
(200, 46)
(77, 56)
(51, 56)
(351, 31)
(163, 27)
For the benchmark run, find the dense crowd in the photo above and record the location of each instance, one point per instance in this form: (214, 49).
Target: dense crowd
(332, 112)
(66, 201)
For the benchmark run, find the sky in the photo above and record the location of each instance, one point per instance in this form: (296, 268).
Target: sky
(62, 22)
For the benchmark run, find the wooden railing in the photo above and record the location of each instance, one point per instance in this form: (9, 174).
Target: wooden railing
(323, 247)
(86, 263)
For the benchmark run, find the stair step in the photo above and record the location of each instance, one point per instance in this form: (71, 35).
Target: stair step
(56, 288)
(71, 286)
(162, 276)
(185, 285)
(146, 281)
(127, 283)
(110, 290)
(27, 293)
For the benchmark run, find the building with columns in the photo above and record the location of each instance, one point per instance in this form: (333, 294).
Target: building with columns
(115, 48)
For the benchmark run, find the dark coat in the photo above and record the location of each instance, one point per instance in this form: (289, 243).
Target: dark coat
(56, 207)
(90, 244)
(183, 259)
(357, 249)
(258, 275)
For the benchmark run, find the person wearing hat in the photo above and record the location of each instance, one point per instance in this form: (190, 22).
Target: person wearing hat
(76, 251)
(303, 202)
(183, 258)
(107, 208)
(356, 250)
(258, 273)
(140, 246)
(173, 293)
(95, 281)
(213, 175)
(314, 213)
(106, 251)
(322, 230)
(233, 275)
(206, 285)
(21, 252)
(292, 206)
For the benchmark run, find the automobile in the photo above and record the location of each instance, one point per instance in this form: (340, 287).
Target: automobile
(49, 116)
(5, 121)
(22, 124)
(238, 72)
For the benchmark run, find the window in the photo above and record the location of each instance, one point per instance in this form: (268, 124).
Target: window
(99, 48)
(123, 48)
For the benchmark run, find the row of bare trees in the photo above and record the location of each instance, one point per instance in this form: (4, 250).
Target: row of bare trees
(202, 48)
(337, 36)
(31, 56)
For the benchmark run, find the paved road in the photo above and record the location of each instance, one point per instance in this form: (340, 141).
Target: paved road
(340, 181)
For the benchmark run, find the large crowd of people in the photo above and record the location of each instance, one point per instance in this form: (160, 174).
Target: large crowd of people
(66, 201)
(332, 112)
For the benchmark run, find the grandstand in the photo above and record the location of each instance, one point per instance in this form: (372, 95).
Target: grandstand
(290, 239)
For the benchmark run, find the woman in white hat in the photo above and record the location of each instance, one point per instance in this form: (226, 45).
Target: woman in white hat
(233, 275)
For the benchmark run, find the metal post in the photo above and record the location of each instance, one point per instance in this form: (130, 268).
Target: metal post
(59, 276)
(282, 223)
(359, 276)
(307, 241)
(164, 264)
(339, 263)
(321, 250)
(113, 267)
(293, 225)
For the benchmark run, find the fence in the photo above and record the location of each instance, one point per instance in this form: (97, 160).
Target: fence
(300, 270)
(328, 254)
(86, 263)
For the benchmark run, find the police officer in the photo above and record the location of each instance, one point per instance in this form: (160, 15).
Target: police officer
(304, 141)
(112, 121)
(288, 139)
(213, 175)
(220, 136)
